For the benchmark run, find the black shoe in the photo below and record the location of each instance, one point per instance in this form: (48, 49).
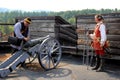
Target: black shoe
(94, 68)
(100, 70)
(23, 66)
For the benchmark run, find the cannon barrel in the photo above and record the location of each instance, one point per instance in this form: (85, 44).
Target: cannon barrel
(33, 42)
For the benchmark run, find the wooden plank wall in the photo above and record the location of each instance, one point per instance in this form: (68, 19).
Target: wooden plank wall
(56, 27)
(67, 36)
(112, 22)
(40, 28)
(43, 25)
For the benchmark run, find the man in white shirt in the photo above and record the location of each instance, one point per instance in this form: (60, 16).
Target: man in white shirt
(21, 31)
(99, 39)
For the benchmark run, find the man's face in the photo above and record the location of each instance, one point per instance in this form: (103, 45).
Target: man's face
(26, 23)
(96, 19)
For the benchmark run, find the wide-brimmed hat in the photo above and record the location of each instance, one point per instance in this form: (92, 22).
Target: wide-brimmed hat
(28, 20)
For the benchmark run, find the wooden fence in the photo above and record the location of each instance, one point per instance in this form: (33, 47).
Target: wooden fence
(112, 22)
(54, 26)
(72, 37)
(67, 36)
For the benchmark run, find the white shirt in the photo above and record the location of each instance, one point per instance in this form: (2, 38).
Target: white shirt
(103, 35)
(17, 28)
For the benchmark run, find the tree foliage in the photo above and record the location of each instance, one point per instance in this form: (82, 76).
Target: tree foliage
(9, 16)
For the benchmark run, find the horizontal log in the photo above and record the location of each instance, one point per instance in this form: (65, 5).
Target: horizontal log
(69, 52)
(64, 31)
(34, 35)
(109, 37)
(83, 42)
(112, 20)
(41, 25)
(109, 32)
(83, 31)
(91, 20)
(64, 42)
(69, 30)
(113, 37)
(66, 37)
(83, 26)
(42, 30)
(73, 27)
(114, 51)
(114, 32)
(69, 49)
(115, 44)
(43, 21)
(113, 25)
(83, 47)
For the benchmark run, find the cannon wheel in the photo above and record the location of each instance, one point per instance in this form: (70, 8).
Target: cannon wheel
(49, 53)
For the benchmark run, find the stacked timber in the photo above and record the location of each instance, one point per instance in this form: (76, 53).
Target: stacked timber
(112, 22)
(43, 25)
(67, 36)
(54, 26)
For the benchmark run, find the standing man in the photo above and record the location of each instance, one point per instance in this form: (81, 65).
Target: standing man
(21, 31)
(99, 41)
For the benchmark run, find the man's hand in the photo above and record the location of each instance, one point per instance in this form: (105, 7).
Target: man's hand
(91, 36)
(102, 43)
(26, 38)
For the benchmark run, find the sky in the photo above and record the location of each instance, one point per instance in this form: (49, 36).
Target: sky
(58, 5)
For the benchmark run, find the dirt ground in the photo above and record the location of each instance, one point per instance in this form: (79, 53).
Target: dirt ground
(3, 57)
(70, 68)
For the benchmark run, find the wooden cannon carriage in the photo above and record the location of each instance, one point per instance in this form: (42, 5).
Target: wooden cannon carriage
(47, 48)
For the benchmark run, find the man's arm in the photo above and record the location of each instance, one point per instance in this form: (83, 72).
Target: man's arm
(103, 34)
(17, 30)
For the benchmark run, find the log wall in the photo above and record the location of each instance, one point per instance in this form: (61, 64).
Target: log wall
(56, 27)
(67, 36)
(112, 22)
(43, 25)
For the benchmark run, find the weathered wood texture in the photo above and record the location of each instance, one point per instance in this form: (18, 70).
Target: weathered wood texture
(112, 22)
(56, 27)
(67, 36)
(43, 25)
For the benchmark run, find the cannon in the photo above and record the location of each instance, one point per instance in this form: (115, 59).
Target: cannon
(47, 49)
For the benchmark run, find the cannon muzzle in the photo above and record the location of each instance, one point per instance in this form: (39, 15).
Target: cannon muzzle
(33, 42)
